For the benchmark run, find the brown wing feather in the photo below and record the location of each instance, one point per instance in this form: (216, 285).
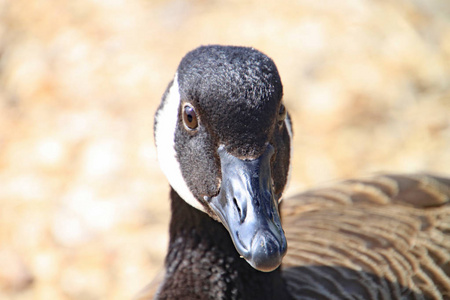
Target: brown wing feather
(385, 237)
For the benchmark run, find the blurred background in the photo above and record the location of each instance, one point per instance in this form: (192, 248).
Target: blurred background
(84, 207)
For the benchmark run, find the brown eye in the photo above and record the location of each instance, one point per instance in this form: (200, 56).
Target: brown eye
(281, 114)
(189, 117)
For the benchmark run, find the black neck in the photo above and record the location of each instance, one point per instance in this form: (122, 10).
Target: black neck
(202, 262)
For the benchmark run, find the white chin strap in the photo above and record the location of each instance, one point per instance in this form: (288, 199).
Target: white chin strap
(288, 124)
(166, 125)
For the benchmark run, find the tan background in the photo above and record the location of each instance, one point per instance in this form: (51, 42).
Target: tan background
(83, 204)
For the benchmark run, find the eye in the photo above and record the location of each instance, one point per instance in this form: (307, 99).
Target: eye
(281, 114)
(190, 117)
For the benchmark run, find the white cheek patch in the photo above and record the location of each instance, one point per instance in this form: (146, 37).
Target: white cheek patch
(166, 125)
(288, 124)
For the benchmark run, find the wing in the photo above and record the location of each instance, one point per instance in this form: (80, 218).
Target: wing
(385, 237)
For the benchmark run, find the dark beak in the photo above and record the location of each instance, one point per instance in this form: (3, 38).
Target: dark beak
(247, 207)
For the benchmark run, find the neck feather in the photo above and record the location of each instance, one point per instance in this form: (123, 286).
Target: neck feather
(202, 262)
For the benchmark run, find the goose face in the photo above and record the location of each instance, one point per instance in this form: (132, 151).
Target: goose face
(223, 142)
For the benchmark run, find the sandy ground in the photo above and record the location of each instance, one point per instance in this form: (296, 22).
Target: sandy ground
(83, 204)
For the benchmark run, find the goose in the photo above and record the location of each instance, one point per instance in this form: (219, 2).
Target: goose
(223, 139)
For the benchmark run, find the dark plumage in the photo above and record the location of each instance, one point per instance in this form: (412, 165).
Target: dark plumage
(385, 237)
(202, 262)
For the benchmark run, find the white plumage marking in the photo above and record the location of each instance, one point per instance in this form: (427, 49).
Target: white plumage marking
(287, 122)
(166, 126)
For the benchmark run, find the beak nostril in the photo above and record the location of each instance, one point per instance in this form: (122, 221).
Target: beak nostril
(236, 204)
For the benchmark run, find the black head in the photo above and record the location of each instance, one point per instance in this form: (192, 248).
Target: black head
(223, 139)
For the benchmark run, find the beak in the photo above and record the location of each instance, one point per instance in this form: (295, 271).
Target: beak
(247, 207)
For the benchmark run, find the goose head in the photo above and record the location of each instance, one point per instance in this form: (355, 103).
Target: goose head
(223, 141)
